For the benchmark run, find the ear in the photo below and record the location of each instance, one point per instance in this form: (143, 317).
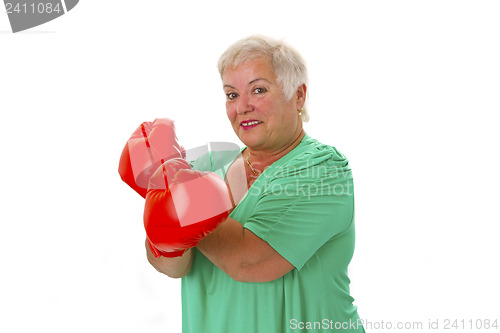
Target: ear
(301, 95)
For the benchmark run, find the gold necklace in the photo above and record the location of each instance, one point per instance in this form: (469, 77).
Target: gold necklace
(251, 167)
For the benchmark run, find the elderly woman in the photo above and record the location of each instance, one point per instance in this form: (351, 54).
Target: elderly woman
(279, 262)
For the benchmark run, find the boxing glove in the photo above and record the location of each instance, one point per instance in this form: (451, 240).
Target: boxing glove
(151, 144)
(182, 206)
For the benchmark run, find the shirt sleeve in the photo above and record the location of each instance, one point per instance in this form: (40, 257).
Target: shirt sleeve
(300, 210)
(215, 161)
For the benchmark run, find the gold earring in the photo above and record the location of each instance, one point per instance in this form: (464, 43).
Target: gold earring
(300, 112)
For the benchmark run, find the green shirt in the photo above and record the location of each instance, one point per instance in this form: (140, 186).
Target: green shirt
(303, 206)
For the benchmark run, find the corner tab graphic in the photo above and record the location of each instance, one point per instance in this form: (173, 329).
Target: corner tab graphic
(26, 14)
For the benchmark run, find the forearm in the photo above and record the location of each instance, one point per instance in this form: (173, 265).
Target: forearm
(173, 267)
(242, 255)
(224, 247)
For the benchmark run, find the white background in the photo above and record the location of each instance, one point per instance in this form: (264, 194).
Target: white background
(407, 90)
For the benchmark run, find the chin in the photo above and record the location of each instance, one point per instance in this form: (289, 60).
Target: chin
(250, 139)
(245, 139)
(251, 143)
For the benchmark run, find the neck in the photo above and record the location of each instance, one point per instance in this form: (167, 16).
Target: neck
(262, 159)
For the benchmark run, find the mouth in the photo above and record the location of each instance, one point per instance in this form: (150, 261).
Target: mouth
(247, 124)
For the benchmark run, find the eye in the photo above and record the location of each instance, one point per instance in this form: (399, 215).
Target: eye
(259, 90)
(231, 95)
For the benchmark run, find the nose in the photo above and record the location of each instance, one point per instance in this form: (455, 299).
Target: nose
(244, 105)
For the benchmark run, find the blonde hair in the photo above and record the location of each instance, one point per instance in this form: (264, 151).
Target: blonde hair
(286, 62)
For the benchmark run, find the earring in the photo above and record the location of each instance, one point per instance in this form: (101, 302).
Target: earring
(300, 112)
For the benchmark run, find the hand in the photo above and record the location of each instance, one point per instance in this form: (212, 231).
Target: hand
(151, 144)
(183, 206)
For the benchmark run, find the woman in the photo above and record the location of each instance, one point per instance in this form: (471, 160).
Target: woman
(279, 262)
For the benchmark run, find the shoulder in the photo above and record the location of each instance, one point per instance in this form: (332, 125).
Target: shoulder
(315, 149)
(213, 157)
(312, 155)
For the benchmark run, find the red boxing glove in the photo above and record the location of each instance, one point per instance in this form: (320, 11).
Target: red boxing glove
(183, 206)
(151, 144)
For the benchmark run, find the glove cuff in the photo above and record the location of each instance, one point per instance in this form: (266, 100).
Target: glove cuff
(157, 253)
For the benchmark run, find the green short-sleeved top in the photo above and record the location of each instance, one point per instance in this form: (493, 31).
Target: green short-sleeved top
(303, 206)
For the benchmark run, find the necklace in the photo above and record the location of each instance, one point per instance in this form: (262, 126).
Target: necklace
(251, 167)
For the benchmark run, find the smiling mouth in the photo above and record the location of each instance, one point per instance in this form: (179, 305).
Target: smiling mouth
(250, 123)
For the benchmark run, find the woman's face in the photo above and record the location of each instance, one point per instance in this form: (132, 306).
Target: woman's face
(255, 105)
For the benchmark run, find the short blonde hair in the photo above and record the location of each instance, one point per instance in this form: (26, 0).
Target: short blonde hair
(287, 63)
